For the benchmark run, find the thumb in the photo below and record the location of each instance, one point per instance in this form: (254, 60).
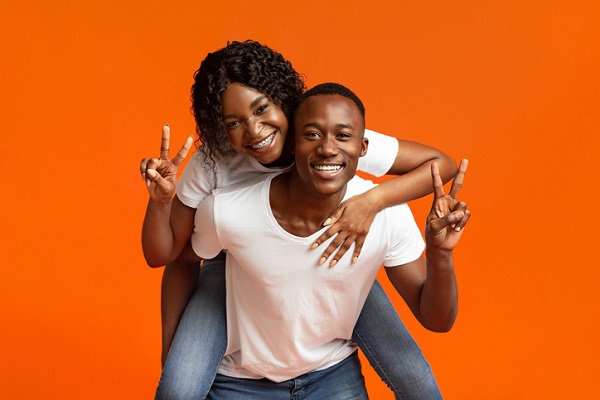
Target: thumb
(333, 217)
(438, 224)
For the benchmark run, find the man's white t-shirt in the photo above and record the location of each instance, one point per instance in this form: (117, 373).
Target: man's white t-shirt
(286, 315)
(198, 180)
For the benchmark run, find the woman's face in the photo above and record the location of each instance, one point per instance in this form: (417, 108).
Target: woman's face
(255, 125)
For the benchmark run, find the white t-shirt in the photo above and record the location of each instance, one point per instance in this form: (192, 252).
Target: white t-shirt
(286, 315)
(197, 180)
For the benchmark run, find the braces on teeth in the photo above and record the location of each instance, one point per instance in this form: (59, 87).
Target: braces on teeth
(264, 143)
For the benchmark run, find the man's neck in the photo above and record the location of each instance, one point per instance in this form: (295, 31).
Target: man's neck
(296, 208)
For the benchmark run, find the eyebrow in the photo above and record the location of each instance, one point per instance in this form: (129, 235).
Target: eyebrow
(317, 125)
(252, 105)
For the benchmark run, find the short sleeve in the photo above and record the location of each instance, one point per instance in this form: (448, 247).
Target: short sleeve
(381, 154)
(195, 183)
(205, 238)
(406, 242)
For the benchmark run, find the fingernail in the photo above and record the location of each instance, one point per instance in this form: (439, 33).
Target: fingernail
(322, 260)
(457, 229)
(143, 175)
(314, 246)
(327, 222)
(332, 263)
(152, 173)
(148, 182)
(354, 260)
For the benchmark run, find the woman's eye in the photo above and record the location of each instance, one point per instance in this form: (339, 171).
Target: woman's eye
(261, 108)
(231, 124)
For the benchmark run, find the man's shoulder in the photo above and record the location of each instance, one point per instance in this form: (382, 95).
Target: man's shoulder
(358, 185)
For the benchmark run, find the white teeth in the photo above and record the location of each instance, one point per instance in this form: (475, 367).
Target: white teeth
(327, 167)
(264, 143)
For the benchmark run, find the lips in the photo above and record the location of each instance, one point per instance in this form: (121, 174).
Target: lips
(263, 143)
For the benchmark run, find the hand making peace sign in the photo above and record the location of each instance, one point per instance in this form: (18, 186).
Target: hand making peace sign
(160, 174)
(448, 217)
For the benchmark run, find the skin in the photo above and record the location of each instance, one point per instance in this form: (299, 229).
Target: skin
(168, 223)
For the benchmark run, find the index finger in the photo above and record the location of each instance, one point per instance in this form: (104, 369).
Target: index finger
(438, 184)
(164, 143)
(459, 178)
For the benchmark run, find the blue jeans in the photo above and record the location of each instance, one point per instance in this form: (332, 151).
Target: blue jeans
(342, 381)
(201, 339)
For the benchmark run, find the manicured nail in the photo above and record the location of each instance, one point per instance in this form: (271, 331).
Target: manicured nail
(314, 246)
(322, 260)
(457, 229)
(354, 260)
(148, 182)
(332, 263)
(152, 173)
(327, 222)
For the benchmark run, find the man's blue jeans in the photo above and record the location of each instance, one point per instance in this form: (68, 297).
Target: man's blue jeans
(343, 381)
(201, 339)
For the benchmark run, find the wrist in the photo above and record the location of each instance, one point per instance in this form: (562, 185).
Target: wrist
(375, 199)
(437, 255)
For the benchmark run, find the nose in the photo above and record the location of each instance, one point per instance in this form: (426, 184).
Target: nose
(254, 127)
(328, 146)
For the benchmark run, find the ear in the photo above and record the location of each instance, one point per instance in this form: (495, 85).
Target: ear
(364, 146)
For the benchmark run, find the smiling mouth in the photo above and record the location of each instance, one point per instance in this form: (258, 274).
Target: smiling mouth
(263, 143)
(328, 167)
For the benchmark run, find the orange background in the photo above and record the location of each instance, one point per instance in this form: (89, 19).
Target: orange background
(511, 85)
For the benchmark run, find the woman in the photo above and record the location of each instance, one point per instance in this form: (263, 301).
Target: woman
(244, 142)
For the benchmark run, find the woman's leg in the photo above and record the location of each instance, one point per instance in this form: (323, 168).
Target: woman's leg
(200, 340)
(392, 351)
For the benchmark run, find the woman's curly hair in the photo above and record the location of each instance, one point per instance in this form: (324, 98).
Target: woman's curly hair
(248, 63)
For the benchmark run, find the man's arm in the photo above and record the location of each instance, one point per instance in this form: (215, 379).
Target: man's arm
(429, 286)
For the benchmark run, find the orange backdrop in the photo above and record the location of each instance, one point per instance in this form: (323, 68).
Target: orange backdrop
(511, 85)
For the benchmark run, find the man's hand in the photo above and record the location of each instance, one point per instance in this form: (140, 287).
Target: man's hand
(160, 174)
(448, 217)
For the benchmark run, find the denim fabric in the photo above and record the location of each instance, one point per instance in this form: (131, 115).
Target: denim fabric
(343, 381)
(201, 340)
(392, 351)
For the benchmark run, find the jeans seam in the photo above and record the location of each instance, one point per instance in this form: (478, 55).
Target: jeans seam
(389, 382)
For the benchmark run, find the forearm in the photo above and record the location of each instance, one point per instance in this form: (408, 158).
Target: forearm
(157, 235)
(411, 185)
(438, 304)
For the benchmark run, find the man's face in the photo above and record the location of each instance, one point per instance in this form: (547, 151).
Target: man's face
(329, 140)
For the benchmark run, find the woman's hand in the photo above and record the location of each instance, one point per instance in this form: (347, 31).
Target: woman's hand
(160, 174)
(351, 222)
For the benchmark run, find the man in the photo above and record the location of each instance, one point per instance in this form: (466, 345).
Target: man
(290, 319)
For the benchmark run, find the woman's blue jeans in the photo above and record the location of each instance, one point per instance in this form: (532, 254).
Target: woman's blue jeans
(201, 339)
